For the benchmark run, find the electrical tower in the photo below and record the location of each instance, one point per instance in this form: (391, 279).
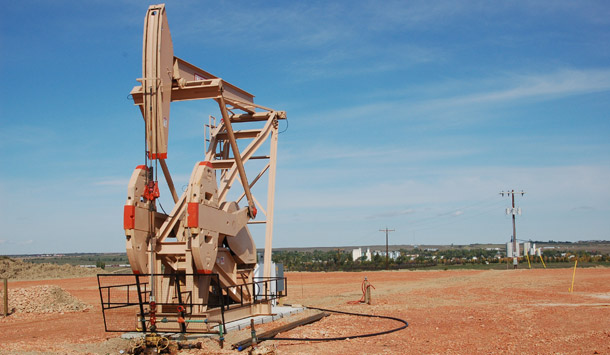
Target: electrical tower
(387, 254)
(513, 211)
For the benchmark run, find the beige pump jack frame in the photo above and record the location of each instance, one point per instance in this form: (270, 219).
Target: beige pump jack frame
(204, 233)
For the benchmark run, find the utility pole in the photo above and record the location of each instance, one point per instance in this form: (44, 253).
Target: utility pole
(513, 211)
(386, 230)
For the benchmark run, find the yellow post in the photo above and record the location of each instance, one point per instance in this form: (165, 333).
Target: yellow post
(543, 264)
(573, 275)
(528, 260)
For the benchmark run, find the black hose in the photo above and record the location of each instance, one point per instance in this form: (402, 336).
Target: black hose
(349, 337)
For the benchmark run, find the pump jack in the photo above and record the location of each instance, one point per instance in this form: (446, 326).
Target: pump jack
(205, 233)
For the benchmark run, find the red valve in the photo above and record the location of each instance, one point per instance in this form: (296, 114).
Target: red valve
(151, 191)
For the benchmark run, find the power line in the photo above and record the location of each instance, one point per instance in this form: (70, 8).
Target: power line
(442, 220)
(451, 221)
(480, 205)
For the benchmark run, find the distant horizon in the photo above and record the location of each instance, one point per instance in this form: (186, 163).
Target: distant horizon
(390, 246)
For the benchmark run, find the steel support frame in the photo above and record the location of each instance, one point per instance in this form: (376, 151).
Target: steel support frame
(167, 79)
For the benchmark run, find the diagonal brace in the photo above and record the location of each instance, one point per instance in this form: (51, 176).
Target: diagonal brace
(237, 156)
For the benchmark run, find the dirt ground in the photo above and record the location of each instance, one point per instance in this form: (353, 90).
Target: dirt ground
(449, 312)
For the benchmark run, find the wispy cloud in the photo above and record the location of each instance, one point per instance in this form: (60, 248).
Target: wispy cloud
(449, 187)
(416, 14)
(391, 153)
(344, 61)
(24, 135)
(265, 27)
(112, 182)
(391, 214)
(442, 101)
(562, 83)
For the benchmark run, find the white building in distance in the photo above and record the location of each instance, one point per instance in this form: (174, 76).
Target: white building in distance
(357, 254)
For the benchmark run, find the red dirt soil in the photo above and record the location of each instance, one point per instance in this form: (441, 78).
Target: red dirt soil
(449, 312)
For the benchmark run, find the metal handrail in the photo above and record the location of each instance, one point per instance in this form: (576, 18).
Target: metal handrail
(142, 290)
(221, 294)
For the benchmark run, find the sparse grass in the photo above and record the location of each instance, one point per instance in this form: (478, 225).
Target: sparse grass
(503, 266)
(81, 259)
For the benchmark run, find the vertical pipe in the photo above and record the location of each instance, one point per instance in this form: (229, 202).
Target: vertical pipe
(182, 313)
(5, 287)
(222, 305)
(270, 201)
(152, 259)
(99, 287)
(253, 333)
(142, 319)
(222, 337)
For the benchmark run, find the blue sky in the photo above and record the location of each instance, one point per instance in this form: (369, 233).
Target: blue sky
(408, 114)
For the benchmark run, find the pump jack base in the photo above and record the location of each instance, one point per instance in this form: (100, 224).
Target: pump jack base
(278, 312)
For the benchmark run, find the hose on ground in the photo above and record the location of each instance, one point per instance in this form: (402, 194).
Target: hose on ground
(405, 324)
(364, 288)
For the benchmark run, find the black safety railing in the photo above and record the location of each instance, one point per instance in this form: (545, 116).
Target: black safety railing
(270, 288)
(126, 296)
(261, 289)
(125, 299)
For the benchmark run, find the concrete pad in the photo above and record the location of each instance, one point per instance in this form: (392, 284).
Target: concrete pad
(279, 312)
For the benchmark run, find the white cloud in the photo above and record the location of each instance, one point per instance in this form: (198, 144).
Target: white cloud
(462, 101)
(448, 186)
(566, 82)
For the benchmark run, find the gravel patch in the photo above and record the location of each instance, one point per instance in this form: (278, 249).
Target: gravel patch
(44, 299)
